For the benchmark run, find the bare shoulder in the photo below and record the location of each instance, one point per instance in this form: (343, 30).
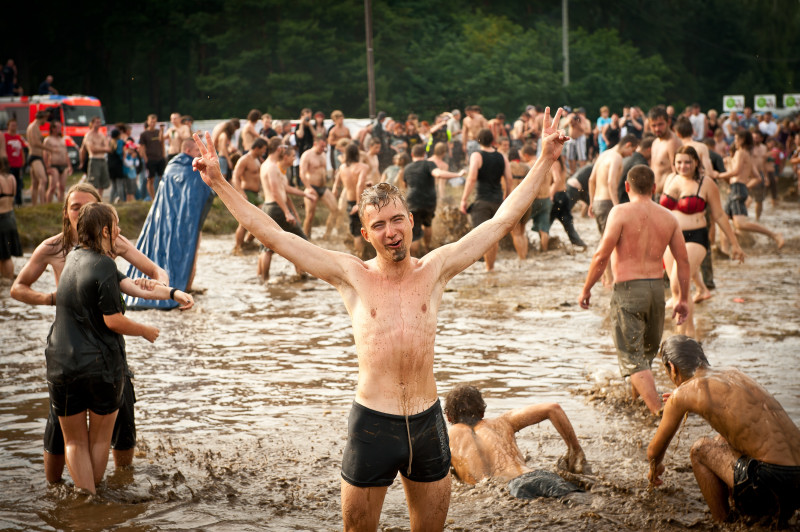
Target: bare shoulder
(49, 250)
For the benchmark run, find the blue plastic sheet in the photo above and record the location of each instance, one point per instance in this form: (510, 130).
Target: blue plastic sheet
(169, 234)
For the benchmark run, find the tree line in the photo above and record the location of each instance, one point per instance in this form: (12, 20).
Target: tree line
(216, 59)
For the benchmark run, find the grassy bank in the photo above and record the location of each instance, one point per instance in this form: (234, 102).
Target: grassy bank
(37, 223)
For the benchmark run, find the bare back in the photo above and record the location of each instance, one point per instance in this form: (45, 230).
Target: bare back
(273, 183)
(743, 412)
(350, 174)
(643, 230)
(607, 167)
(487, 449)
(249, 136)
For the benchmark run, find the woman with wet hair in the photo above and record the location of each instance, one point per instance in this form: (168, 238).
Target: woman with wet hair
(85, 349)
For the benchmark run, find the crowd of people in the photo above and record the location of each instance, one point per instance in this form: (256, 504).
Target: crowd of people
(649, 180)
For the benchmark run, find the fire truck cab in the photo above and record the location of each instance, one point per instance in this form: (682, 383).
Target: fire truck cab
(74, 112)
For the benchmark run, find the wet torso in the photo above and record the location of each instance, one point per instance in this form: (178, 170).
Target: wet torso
(744, 413)
(487, 449)
(647, 229)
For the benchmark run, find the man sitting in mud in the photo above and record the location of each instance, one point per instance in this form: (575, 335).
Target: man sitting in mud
(396, 423)
(635, 238)
(756, 456)
(482, 448)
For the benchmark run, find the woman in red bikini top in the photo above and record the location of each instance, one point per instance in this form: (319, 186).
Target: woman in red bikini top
(687, 194)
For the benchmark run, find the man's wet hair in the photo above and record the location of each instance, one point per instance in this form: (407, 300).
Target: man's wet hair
(485, 137)
(659, 111)
(379, 196)
(647, 141)
(418, 151)
(273, 145)
(684, 353)
(351, 153)
(254, 115)
(641, 179)
(258, 143)
(683, 127)
(92, 218)
(631, 139)
(464, 404)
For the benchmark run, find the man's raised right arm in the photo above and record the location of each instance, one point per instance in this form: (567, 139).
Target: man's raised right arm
(326, 265)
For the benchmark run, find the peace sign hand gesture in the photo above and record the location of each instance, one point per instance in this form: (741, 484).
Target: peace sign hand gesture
(553, 139)
(208, 162)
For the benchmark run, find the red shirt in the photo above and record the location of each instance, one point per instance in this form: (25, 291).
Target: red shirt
(14, 145)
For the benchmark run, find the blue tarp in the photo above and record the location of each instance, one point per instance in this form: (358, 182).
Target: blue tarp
(169, 234)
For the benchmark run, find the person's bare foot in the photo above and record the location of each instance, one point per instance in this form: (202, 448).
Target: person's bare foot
(702, 296)
(779, 240)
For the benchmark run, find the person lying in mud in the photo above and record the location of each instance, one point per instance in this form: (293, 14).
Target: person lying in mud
(396, 422)
(487, 448)
(635, 237)
(755, 459)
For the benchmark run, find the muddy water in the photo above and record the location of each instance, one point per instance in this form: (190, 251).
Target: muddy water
(242, 402)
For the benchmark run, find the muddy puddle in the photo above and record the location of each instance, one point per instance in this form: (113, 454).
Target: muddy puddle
(243, 401)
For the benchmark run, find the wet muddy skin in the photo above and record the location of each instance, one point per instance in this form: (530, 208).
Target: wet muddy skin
(243, 400)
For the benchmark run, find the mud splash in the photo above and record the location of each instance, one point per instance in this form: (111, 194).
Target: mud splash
(243, 401)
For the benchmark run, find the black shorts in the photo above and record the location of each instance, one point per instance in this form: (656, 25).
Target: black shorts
(422, 218)
(698, 236)
(736, 206)
(86, 393)
(276, 213)
(355, 221)
(481, 210)
(761, 489)
(123, 437)
(155, 168)
(33, 158)
(377, 447)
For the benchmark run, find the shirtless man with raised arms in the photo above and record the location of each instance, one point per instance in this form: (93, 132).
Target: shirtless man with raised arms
(755, 459)
(487, 448)
(53, 252)
(314, 175)
(246, 179)
(393, 301)
(57, 162)
(36, 149)
(664, 146)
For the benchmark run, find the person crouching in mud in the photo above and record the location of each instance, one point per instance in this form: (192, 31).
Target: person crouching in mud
(482, 448)
(756, 456)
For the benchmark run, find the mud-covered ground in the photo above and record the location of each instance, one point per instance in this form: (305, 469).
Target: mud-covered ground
(243, 400)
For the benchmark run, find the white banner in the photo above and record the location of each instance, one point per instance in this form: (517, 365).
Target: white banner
(764, 102)
(733, 102)
(791, 101)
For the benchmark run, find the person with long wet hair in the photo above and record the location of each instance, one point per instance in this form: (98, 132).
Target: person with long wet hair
(85, 351)
(688, 193)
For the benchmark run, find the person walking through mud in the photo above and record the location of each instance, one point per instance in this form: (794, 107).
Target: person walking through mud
(635, 238)
(86, 366)
(482, 448)
(755, 459)
(53, 252)
(396, 422)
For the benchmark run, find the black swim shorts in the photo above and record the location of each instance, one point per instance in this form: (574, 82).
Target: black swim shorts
(766, 490)
(355, 221)
(86, 393)
(377, 447)
(422, 218)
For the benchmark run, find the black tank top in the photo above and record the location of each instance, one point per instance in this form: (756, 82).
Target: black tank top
(490, 175)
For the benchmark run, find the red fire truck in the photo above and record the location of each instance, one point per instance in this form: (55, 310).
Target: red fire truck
(74, 113)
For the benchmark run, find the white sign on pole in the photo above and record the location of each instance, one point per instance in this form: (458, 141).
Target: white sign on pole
(764, 102)
(733, 102)
(791, 101)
